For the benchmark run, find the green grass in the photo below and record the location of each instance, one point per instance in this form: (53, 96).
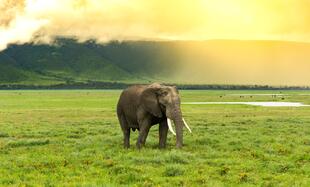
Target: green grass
(57, 138)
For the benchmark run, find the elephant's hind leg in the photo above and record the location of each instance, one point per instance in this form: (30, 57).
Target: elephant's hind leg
(125, 129)
(126, 138)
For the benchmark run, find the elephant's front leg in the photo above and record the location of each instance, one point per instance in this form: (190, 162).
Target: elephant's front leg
(144, 130)
(163, 131)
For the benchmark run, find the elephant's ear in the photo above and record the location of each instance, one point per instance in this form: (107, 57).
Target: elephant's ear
(150, 103)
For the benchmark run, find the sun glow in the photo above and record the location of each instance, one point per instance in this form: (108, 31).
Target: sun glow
(156, 19)
(41, 21)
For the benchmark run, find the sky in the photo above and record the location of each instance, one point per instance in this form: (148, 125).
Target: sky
(24, 21)
(40, 21)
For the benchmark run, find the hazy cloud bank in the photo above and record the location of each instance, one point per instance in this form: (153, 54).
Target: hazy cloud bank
(40, 20)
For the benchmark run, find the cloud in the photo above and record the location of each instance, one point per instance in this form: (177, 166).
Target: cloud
(17, 24)
(41, 20)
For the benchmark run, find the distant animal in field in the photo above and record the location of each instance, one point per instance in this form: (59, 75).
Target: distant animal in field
(142, 106)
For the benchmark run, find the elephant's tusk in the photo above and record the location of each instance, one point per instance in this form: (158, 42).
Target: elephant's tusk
(170, 126)
(186, 125)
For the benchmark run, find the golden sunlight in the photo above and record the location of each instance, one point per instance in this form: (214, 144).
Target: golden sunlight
(154, 19)
(41, 21)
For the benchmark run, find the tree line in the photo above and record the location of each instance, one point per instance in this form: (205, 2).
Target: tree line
(120, 85)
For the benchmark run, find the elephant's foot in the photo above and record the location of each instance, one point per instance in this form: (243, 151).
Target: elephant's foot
(162, 146)
(139, 145)
(126, 146)
(179, 145)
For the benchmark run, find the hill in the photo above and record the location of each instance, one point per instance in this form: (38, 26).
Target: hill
(70, 61)
(189, 62)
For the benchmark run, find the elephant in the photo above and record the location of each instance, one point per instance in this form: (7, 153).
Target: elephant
(142, 106)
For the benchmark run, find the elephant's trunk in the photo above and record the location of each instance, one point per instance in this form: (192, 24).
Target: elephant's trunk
(179, 132)
(174, 113)
(178, 121)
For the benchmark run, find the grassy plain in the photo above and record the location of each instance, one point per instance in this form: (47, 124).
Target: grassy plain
(57, 138)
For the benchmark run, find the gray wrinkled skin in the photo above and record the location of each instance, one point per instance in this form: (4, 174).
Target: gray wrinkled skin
(142, 106)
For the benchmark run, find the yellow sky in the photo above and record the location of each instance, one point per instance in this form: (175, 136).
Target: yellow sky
(23, 20)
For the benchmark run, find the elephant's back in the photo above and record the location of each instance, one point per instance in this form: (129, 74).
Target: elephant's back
(129, 98)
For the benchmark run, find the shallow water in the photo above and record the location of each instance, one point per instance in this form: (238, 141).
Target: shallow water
(265, 104)
(267, 94)
(258, 94)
